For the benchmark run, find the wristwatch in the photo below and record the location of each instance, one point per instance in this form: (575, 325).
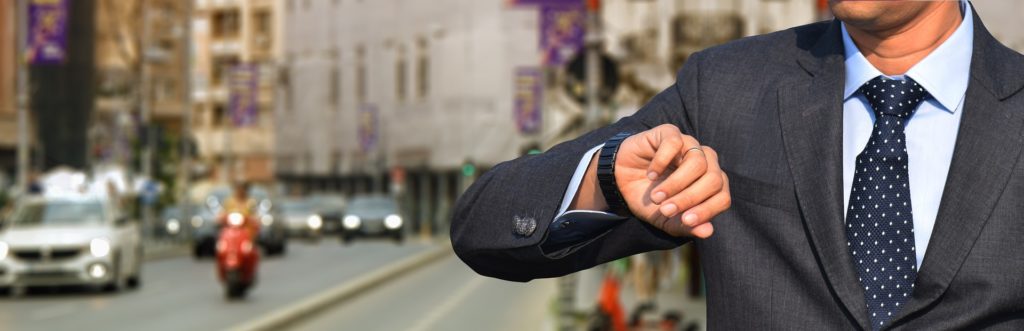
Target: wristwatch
(606, 175)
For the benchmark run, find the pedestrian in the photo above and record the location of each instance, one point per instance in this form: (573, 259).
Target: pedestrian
(860, 173)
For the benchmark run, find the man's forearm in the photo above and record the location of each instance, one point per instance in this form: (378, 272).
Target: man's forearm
(589, 195)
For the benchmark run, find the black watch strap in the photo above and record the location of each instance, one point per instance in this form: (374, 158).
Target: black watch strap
(606, 175)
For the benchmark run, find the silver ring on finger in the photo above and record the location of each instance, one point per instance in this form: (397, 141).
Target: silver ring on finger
(698, 148)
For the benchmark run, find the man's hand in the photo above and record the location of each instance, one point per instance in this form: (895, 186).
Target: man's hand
(667, 180)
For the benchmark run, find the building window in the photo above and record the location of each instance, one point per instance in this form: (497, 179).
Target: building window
(222, 66)
(263, 38)
(218, 115)
(226, 24)
(361, 88)
(335, 88)
(422, 71)
(400, 76)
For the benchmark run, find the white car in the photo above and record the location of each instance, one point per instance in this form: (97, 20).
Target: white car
(69, 241)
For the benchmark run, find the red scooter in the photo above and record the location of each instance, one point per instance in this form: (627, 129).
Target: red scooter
(237, 256)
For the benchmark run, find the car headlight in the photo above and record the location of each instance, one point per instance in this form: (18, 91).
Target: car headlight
(393, 222)
(173, 226)
(3, 250)
(236, 219)
(315, 222)
(267, 220)
(351, 222)
(197, 221)
(99, 247)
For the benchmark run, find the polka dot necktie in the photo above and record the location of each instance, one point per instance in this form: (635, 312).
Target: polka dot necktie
(879, 223)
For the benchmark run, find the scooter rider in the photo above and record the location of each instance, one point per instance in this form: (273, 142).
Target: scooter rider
(240, 202)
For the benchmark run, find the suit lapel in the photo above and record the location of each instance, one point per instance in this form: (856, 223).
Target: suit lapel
(987, 148)
(811, 118)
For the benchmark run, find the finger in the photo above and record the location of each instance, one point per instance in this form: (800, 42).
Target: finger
(699, 191)
(707, 210)
(703, 231)
(692, 167)
(666, 143)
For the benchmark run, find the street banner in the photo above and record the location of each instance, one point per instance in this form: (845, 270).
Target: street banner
(516, 3)
(562, 28)
(368, 127)
(243, 102)
(527, 98)
(47, 28)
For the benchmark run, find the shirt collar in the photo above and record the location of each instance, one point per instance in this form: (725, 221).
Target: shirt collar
(944, 73)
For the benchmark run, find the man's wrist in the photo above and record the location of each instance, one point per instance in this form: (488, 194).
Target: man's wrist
(606, 174)
(588, 194)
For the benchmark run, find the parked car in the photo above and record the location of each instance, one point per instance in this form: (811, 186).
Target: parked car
(273, 235)
(331, 208)
(301, 218)
(53, 241)
(373, 216)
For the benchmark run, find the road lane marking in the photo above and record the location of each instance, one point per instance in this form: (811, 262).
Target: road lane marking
(445, 308)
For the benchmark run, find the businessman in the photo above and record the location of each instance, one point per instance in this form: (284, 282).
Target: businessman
(861, 173)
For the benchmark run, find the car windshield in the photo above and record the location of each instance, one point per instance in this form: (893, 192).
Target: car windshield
(297, 207)
(58, 213)
(329, 202)
(372, 206)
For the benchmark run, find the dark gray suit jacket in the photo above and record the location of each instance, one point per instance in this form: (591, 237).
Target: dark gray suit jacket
(771, 106)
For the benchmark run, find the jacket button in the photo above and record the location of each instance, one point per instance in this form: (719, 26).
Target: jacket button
(525, 226)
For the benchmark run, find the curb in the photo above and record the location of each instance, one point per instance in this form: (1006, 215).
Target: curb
(284, 317)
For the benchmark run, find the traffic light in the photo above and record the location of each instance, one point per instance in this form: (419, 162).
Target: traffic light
(468, 169)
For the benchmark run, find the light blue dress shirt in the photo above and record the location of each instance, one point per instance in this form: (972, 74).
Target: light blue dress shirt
(931, 132)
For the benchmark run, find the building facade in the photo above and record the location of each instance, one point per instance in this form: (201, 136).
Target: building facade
(233, 36)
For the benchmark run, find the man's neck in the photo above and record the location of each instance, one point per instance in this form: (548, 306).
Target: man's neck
(894, 51)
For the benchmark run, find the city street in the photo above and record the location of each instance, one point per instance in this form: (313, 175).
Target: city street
(183, 294)
(443, 296)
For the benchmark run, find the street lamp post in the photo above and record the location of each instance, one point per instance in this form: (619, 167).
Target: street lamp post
(185, 169)
(145, 108)
(21, 16)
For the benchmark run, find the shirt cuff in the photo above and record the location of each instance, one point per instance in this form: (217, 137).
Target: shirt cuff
(577, 177)
(572, 229)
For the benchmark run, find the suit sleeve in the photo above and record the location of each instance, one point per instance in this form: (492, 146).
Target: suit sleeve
(531, 189)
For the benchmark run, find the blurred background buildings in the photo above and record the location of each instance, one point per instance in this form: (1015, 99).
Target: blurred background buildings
(354, 95)
(411, 98)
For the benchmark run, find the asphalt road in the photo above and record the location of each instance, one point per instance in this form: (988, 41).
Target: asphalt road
(183, 294)
(447, 296)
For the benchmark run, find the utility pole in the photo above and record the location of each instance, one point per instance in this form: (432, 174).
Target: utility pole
(148, 150)
(592, 42)
(185, 169)
(21, 16)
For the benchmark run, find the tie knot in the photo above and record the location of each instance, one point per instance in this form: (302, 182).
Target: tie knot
(894, 97)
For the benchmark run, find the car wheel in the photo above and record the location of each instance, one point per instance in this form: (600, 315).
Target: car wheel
(17, 291)
(399, 238)
(135, 279)
(118, 281)
(346, 239)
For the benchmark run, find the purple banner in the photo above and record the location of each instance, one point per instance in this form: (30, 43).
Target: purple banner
(528, 95)
(545, 2)
(368, 127)
(47, 27)
(562, 28)
(243, 102)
